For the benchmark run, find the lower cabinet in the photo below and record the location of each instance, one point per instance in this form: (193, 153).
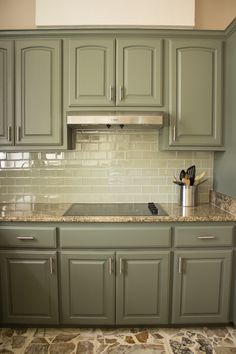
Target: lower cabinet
(29, 287)
(104, 287)
(201, 289)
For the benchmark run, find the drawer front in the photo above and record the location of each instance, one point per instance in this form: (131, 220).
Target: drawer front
(114, 237)
(203, 236)
(34, 237)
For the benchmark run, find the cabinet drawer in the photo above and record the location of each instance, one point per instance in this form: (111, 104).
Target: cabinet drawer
(203, 236)
(34, 237)
(115, 237)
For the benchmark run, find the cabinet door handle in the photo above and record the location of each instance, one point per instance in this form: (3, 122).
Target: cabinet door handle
(18, 133)
(206, 237)
(121, 265)
(110, 93)
(25, 238)
(51, 265)
(110, 265)
(9, 133)
(174, 133)
(180, 265)
(121, 93)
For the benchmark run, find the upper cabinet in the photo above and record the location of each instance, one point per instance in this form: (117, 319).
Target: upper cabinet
(195, 94)
(89, 71)
(6, 93)
(31, 94)
(38, 92)
(108, 72)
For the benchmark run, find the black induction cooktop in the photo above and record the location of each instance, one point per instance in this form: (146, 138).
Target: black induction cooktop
(115, 209)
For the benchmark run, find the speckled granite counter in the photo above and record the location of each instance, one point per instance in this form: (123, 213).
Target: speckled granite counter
(54, 213)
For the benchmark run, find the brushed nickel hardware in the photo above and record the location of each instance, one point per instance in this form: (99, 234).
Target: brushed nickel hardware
(121, 93)
(25, 238)
(174, 133)
(18, 133)
(51, 265)
(110, 265)
(180, 265)
(9, 133)
(206, 237)
(110, 93)
(121, 265)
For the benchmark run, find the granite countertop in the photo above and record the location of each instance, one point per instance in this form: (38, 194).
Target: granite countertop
(40, 212)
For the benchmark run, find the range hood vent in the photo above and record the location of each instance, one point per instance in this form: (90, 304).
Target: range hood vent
(98, 120)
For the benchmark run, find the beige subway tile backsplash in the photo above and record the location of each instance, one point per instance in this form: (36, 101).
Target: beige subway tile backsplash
(115, 166)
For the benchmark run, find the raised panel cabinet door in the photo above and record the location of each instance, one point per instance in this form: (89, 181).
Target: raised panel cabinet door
(142, 289)
(201, 290)
(195, 84)
(29, 287)
(89, 72)
(38, 92)
(139, 72)
(87, 287)
(6, 93)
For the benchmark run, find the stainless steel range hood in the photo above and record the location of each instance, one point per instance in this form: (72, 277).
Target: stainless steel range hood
(107, 119)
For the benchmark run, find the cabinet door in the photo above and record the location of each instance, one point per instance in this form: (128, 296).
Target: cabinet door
(195, 92)
(89, 72)
(38, 92)
(29, 287)
(87, 287)
(139, 73)
(6, 93)
(201, 291)
(142, 287)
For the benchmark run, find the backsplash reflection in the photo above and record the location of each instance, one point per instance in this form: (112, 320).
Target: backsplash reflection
(106, 166)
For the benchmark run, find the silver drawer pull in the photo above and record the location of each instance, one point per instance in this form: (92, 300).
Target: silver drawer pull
(110, 265)
(18, 134)
(206, 237)
(180, 265)
(110, 93)
(25, 238)
(9, 133)
(121, 265)
(51, 265)
(121, 93)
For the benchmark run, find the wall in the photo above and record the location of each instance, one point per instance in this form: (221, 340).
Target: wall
(225, 166)
(210, 14)
(113, 12)
(214, 14)
(114, 166)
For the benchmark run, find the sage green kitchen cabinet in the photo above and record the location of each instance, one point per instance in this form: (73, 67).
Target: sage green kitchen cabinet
(99, 288)
(6, 92)
(28, 287)
(142, 288)
(109, 71)
(139, 72)
(87, 287)
(195, 95)
(38, 111)
(201, 287)
(89, 71)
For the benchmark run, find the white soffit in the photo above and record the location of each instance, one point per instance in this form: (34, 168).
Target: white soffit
(151, 13)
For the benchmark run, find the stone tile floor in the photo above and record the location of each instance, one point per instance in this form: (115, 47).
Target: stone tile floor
(208, 340)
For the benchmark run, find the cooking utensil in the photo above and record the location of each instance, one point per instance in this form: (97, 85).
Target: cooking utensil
(186, 180)
(191, 171)
(179, 183)
(200, 182)
(198, 177)
(182, 175)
